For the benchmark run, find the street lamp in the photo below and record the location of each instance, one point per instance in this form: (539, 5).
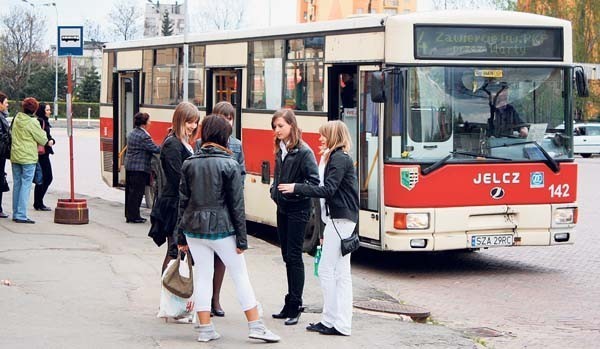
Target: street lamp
(48, 4)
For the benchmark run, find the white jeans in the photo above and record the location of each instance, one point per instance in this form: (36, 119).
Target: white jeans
(203, 253)
(334, 274)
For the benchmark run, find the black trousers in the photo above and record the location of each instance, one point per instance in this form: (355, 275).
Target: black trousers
(290, 228)
(41, 189)
(135, 184)
(2, 173)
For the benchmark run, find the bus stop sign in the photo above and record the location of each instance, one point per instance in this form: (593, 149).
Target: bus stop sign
(70, 41)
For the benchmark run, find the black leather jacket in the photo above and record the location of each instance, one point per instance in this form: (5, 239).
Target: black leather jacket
(299, 166)
(340, 187)
(172, 155)
(211, 197)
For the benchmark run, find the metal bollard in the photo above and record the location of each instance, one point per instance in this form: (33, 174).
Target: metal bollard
(89, 116)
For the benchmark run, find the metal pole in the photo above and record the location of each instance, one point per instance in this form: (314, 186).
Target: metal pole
(56, 69)
(186, 49)
(70, 127)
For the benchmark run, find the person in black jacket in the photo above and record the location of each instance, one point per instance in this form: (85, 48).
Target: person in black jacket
(174, 150)
(42, 113)
(227, 111)
(212, 219)
(4, 129)
(294, 163)
(339, 211)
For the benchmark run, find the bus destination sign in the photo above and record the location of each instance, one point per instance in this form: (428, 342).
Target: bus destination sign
(472, 42)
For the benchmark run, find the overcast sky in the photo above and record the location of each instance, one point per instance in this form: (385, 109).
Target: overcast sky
(75, 12)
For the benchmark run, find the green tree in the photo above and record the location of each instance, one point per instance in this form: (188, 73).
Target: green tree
(40, 83)
(89, 88)
(167, 24)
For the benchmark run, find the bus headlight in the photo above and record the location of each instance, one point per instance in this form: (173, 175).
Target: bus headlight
(567, 215)
(411, 220)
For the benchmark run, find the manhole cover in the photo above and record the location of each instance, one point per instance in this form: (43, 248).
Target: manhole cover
(483, 332)
(416, 313)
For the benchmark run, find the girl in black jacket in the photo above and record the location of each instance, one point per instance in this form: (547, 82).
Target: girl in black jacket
(294, 163)
(42, 113)
(339, 210)
(174, 151)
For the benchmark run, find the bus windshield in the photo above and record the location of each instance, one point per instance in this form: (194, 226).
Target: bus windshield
(495, 113)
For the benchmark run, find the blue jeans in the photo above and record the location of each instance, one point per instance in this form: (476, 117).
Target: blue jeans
(22, 179)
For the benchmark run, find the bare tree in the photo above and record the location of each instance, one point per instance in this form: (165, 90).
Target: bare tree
(21, 33)
(475, 4)
(126, 19)
(221, 15)
(93, 32)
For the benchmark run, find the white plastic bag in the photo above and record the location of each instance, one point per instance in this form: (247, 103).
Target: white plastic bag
(172, 306)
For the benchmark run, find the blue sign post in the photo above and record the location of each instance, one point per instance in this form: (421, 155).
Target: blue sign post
(70, 211)
(70, 41)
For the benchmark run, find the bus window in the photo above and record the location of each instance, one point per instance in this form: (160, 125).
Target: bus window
(196, 75)
(304, 73)
(265, 74)
(164, 77)
(112, 63)
(147, 66)
(395, 114)
(368, 145)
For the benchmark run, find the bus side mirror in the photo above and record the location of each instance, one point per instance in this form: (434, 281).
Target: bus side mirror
(581, 83)
(378, 87)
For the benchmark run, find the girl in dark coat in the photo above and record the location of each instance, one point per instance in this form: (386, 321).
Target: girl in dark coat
(174, 151)
(42, 113)
(294, 163)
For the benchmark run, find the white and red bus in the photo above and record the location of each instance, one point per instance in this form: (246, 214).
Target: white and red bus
(434, 171)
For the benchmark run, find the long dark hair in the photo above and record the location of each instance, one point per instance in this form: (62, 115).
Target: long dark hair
(289, 117)
(41, 110)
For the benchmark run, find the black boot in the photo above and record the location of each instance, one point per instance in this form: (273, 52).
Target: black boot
(283, 313)
(294, 312)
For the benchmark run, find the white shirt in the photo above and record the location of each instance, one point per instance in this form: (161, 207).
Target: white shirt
(284, 150)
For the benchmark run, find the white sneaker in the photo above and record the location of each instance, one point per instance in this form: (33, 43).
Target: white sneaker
(258, 330)
(207, 333)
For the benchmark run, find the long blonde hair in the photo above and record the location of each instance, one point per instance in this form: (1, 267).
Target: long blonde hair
(185, 112)
(338, 136)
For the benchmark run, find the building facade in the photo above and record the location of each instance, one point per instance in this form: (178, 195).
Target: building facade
(323, 10)
(153, 18)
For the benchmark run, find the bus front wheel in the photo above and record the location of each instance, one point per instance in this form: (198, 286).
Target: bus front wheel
(313, 229)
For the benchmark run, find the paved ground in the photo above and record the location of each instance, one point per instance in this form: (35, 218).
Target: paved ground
(97, 286)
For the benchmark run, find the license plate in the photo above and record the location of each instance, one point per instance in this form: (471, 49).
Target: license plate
(491, 240)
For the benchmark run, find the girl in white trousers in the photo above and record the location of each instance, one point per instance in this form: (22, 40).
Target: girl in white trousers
(335, 277)
(339, 210)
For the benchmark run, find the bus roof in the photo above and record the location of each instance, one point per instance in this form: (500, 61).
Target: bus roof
(362, 23)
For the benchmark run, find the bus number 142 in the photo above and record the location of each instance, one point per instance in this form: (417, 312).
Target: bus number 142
(560, 191)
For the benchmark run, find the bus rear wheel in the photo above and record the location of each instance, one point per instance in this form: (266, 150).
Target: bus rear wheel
(313, 229)
(585, 155)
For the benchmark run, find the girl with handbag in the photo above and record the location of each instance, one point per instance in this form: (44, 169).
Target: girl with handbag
(174, 150)
(211, 220)
(339, 211)
(42, 113)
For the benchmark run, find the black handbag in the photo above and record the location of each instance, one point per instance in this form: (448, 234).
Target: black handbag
(349, 244)
(4, 185)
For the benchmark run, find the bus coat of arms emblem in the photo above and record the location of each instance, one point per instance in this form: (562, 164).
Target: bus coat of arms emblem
(409, 176)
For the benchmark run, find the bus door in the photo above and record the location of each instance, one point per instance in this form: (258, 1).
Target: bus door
(349, 100)
(128, 105)
(226, 85)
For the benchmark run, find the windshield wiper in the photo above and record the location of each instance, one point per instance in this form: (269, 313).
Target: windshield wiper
(443, 161)
(549, 160)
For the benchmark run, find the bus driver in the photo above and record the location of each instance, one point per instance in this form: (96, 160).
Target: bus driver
(506, 119)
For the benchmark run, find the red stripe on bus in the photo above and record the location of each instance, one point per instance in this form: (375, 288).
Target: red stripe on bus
(157, 129)
(258, 147)
(473, 185)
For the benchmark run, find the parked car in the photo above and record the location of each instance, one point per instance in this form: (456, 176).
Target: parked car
(586, 138)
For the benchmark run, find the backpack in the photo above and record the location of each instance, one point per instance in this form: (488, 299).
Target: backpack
(5, 140)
